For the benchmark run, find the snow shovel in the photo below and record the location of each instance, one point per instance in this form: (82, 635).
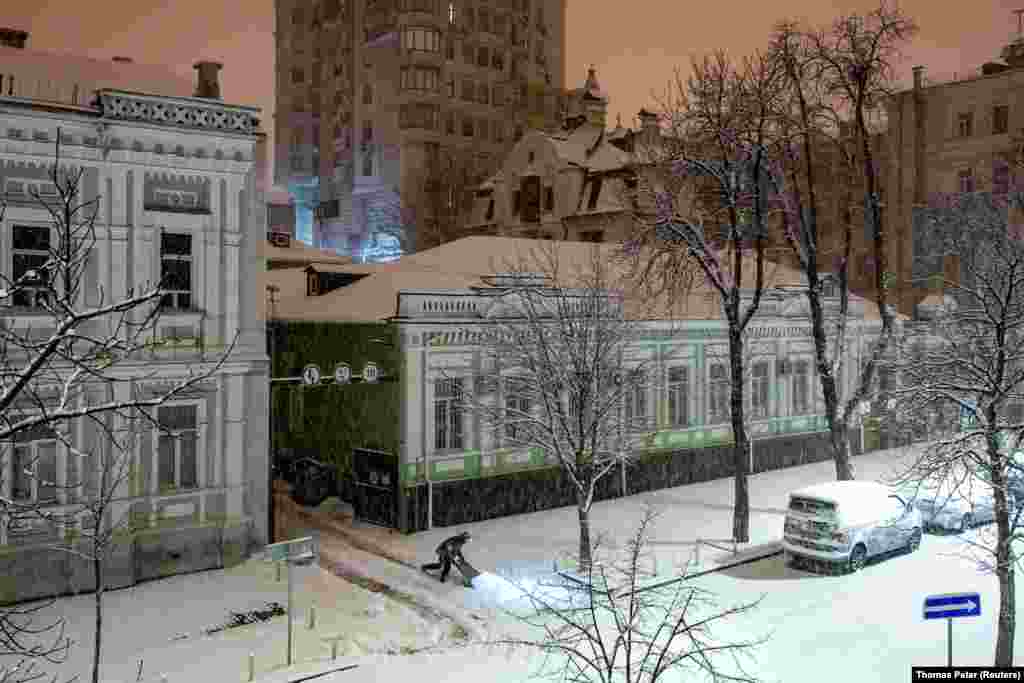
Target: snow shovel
(466, 569)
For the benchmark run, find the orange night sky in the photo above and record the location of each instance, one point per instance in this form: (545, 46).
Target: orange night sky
(635, 46)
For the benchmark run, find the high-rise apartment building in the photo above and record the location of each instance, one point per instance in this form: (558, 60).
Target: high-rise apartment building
(372, 94)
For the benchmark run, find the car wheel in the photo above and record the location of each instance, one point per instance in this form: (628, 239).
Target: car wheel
(966, 522)
(915, 540)
(858, 558)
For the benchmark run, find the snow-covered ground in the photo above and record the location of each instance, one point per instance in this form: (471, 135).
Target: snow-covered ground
(861, 627)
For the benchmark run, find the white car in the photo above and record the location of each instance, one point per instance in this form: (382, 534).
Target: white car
(846, 522)
(958, 510)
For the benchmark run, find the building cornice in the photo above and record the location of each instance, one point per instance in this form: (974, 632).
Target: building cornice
(179, 112)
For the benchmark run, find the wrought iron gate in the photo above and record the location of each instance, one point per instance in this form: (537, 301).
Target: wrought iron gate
(376, 479)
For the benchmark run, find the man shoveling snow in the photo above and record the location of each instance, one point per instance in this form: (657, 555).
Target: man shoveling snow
(449, 553)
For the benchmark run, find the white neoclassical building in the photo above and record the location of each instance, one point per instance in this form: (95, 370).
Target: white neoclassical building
(175, 177)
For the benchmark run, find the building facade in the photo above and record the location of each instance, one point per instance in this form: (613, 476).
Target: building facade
(175, 184)
(372, 94)
(951, 135)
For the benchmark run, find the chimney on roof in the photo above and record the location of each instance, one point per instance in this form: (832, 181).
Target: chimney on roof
(123, 60)
(649, 130)
(12, 37)
(208, 79)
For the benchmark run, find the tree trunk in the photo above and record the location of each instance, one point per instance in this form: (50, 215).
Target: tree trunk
(584, 515)
(741, 504)
(840, 439)
(1006, 624)
(97, 566)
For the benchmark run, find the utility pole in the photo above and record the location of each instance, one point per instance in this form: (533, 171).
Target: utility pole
(272, 291)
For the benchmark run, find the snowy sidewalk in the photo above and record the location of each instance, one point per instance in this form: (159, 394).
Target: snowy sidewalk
(532, 543)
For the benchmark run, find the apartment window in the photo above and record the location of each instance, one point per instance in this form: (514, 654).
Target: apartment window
(419, 6)
(679, 396)
(595, 236)
(449, 49)
(420, 78)
(718, 394)
(483, 56)
(517, 410)
(530, 186)
(801, 386)
(483, 20)
(636, 402)
(965, 125)
(595, 193)
(418, 115)
(448, 414)
(175, 199)
(298, 76)
(30, 251)
(1000, 177)
(499, 26)
(176, 270)
(966, 179)
(367, 133)
(467, 126)
(759, 390)
(468, 52)
(34, 465)
(497, 96)
(450, 87)
(516, 202)
(1000, 119)
(549, 199)
(499, 131)
(177, 447)
(422, 39)
(297, 16)
(470, 16)
(449, 123)
(367, 94)
(468, 90)
(498, 60)
(490, 211)
(368, 162)
(482, 93)
(518, 132)
(481, 129)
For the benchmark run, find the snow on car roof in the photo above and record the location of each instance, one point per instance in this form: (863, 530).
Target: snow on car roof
(835, 491)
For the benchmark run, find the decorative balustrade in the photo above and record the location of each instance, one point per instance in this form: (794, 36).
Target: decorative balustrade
(181, 112)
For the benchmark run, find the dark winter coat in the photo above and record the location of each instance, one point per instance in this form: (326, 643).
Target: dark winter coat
(451, 547)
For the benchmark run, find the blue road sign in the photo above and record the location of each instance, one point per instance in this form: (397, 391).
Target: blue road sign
(952, 605)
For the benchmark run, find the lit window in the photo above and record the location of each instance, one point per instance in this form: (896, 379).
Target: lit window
(422, 39)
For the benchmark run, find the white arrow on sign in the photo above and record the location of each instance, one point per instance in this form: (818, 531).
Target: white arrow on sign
(969, 605)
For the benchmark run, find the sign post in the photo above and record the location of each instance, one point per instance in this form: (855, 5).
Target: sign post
(298, 551)
(949, 606)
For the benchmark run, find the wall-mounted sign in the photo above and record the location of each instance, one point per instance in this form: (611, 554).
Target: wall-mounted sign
(342, 373)
(311, 374)
(371, 372)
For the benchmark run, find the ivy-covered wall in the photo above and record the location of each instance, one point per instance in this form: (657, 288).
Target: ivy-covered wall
(329, 420)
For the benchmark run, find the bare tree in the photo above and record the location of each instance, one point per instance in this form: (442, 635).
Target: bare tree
(80, 360)
(834, 80)
(713, 207)
(608, 626)
(558, 375)
(969, 359)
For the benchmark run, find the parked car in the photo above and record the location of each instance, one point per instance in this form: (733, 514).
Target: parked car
(959, 510)
(844, 523)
